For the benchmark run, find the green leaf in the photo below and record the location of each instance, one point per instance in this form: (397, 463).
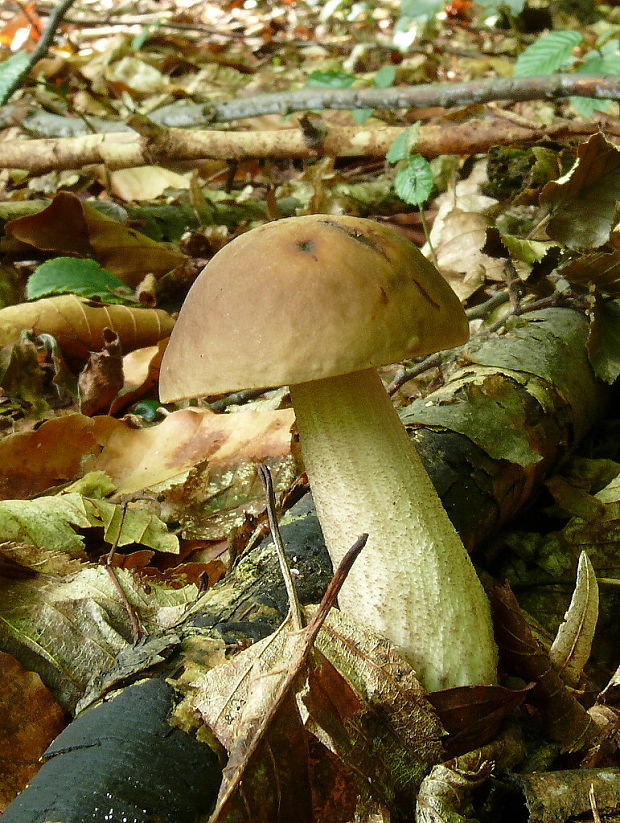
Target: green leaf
(11, 70)
(547, 54)
(605, 61)
(514, 7)
(401, 147)
(414, 182)
(528, 251)
(140, 39)
(420, 9)
(385, 77)
(329, 80)
(72, 275)
(604, 340)
(361, 115)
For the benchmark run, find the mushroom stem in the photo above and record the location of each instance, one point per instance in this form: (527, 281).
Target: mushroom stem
(414, 582)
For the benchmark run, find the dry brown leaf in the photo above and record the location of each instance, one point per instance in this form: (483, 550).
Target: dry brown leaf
(78, 324)
(30, 719)
(249, 704)
(570, 650)
(138, 458)
(472, 715)
(135, 459)
(102, 376)
(371, 711)
(140, 374)
(70, 226)
(565, 719)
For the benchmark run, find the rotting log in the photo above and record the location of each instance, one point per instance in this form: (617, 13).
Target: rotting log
(533, 383)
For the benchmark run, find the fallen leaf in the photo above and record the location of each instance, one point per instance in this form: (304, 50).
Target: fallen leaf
(583, 203)
(102, 377)
(146, 182)
(71, 226)
(30, 719)
(472, 715)
(565, 719)
(571, 648)
(79, 324)
(140, 374)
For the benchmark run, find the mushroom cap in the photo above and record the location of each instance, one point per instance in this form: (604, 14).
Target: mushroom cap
(306, 298)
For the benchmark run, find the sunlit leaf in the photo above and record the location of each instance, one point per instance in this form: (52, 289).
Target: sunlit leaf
(385, 77)
(547, 54)
(11, 70)
(68, 225)
(79, 324)
(571, 648)
(329, 80)
(414, 181)
(71, 275)
(402, 146)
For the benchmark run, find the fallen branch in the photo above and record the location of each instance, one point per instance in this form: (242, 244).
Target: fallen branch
(122, 150)
(546, 87)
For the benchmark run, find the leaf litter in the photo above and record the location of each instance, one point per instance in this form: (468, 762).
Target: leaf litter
(560, 209)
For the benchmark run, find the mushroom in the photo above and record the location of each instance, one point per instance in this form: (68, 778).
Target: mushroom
(317, 303)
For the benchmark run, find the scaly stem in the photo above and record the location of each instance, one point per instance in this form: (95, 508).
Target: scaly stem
(413, 582)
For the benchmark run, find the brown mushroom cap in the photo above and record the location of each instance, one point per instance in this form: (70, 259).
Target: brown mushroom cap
(306, 298)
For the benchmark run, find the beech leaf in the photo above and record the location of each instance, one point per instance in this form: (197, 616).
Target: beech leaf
(570, 650)
(78, 325)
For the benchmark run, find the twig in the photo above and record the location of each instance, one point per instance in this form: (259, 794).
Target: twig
(335, 584)
(41, 48)
(236, 398)
(514, 284)
(430, 362)
(125, 149)
(517, 309)
(483, 309)
(136, 628)
(446, 95)
(294, 606)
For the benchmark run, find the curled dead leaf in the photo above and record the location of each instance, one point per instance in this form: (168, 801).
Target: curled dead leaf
(79, 324)
(571, 648)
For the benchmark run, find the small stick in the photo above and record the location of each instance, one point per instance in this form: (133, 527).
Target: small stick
(136, 628)
(294, 606)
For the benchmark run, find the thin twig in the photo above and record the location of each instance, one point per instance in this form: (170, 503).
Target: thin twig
(294, 606)
(236, 398)
(518, 309)
(335, 584)
(430, 362)
(136, 628)
(483, 309)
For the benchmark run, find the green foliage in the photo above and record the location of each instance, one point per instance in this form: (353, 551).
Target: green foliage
(602, 60)
(140, 39)
(383, 79)
(512, 7)
(411, 10)
(71, 275)
(414, 181)
(402, 146)
(10, 71)
(329, 80)
(414, 178)
(547, 54)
